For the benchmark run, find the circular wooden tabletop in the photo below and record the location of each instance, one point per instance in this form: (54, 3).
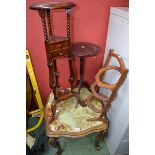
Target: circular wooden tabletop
(52, 5)
(84, 49)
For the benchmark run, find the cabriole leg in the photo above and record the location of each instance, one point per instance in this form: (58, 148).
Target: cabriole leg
(99, 138)
(53, 141)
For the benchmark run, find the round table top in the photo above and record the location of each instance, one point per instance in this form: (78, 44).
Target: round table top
(52, 5)
(84, 49)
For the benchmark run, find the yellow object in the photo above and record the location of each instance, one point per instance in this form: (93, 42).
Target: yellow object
(40, 111)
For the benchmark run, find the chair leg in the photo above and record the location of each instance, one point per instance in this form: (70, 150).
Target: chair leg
(53, 141)
(99, 138)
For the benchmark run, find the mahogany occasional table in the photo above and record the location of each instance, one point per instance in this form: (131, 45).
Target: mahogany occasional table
(82, 50)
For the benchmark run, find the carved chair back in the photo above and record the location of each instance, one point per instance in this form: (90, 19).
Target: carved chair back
(121, 69)
(99, 83)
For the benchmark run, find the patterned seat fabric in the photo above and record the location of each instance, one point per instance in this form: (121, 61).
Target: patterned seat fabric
(72, 118)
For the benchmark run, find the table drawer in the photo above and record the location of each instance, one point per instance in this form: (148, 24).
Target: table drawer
(57, 49)
(59, 45)
(60, 53)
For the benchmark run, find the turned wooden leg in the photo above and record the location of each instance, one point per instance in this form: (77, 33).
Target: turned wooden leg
(81, 83)
(82, 64)
(71, 79)
(53, 141)
(55, 72)
(53, 84)
(70, 57)
(99, 138)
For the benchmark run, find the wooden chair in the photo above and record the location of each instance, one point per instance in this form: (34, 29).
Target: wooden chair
(99, 83)
(57, 123)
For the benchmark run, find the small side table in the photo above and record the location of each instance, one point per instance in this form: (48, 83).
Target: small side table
(82, 50)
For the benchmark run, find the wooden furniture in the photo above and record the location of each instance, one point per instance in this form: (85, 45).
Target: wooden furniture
(82, 50)
(107, 99)
(56, 46)
(70, 112)
(74, 121)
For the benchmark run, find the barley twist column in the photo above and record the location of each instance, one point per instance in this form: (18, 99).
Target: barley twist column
(71, 79)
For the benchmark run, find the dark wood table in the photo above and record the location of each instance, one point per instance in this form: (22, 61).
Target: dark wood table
(82, 50)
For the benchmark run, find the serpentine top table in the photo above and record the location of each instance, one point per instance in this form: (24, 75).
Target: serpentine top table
(82, 50)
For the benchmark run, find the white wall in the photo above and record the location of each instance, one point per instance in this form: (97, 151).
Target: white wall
(118, 114)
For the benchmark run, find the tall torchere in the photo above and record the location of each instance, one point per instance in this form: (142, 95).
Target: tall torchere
(56, 46)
